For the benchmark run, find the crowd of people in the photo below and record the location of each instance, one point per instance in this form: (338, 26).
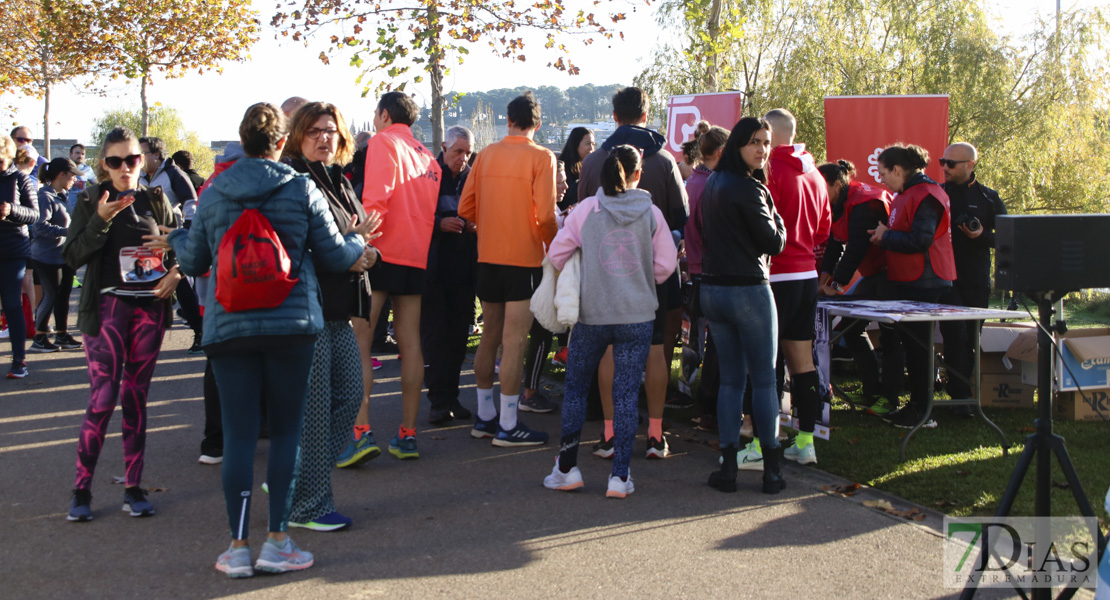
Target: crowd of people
(746, 233)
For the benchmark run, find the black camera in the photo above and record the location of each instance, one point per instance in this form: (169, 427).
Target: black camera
(972, 223)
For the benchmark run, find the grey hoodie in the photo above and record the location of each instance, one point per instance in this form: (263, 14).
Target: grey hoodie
(626, 250)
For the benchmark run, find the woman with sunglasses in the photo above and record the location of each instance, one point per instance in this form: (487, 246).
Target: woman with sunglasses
(319, 145)
(920, 266)
(18, 210)
(125, 307)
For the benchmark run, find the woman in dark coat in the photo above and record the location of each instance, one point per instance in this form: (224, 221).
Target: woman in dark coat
(319, 145)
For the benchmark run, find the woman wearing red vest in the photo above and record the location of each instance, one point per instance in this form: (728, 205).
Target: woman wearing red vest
(858, 208)
(920, 267)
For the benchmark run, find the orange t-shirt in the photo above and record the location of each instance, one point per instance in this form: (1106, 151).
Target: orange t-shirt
(510, 195)
(402, 183)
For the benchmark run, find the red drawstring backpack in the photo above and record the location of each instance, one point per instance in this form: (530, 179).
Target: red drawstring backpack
(254, 270)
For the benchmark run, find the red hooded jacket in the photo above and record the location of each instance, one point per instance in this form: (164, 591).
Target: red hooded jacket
(802, 199)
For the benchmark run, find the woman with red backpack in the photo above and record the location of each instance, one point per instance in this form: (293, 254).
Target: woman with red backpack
(254, 229)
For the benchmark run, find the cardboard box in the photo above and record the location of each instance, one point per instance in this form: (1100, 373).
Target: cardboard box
(1005, 391)
(994, 341)
(1070, 406)
(1086, 359)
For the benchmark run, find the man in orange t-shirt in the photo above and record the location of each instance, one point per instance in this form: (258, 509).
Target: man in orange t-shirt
(402, 184)
(510, 195)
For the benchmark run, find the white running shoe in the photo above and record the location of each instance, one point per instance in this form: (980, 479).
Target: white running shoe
(749, 458)
(618, 488)
(806, 455)
(566, 482)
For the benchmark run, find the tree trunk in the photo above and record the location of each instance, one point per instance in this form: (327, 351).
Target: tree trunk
(435, 72)
(437, 105)
(46, 121)
(46, 102)
(146, 116)
(712, 79)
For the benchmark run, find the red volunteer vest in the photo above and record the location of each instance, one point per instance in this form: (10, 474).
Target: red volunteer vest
(861, 193)
(910, 267)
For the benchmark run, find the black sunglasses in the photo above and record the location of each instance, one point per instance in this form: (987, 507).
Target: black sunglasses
(115, 162)
(951, 164)
(22, 140)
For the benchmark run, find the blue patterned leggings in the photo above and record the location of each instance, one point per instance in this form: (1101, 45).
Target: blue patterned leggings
(630, 350)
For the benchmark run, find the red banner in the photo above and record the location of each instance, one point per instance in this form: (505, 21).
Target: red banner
(857, 128)
(684, 112)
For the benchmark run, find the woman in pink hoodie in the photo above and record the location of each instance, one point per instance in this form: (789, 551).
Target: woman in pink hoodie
(626, 250)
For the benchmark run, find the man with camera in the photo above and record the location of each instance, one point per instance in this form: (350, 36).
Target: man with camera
(974, 208)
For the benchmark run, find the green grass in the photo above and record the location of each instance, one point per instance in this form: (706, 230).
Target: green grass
(957, 468)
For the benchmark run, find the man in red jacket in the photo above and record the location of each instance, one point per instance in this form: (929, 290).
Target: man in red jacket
(802, 199)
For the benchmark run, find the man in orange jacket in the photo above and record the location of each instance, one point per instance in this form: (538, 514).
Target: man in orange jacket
(402, 184)
(510, 195)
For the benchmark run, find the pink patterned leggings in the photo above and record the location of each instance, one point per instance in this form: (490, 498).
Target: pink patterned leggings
(121, 363)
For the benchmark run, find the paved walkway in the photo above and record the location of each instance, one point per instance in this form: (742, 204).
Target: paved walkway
(465, 520)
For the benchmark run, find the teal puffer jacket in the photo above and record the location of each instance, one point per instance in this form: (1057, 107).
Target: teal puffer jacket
(300, 216)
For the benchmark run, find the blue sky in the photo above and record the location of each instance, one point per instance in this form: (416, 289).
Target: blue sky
(213, 103)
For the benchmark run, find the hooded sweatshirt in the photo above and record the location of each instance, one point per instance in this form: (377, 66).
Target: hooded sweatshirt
(660, 176)
(299, 215)
(802, 199)
(626, 250)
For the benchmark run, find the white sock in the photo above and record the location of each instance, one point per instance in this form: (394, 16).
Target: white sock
(508, 411)
(487, 410)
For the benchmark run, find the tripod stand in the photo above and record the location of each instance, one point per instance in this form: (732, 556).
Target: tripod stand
(1043, 444)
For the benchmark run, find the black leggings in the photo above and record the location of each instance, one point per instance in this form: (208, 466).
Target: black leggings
(539, 344)
(57, 284)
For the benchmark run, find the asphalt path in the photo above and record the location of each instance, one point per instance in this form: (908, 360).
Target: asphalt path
(465, 520)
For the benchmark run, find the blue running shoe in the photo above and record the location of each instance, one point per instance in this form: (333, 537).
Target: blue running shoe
(484, 429)
(332, 521)
(135, 502)
(519, 436)
(236, 562)
(404, 448)
(358, 451)
(80, 508)
(282, 557)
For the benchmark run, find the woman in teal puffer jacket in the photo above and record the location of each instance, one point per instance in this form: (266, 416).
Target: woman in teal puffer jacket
(266, 351)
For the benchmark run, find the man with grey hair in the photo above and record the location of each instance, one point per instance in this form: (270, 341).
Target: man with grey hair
(291, 105)
(447, 306)
(802, 199)
(974, 208)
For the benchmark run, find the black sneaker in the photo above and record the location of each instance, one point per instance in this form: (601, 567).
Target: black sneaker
(908, 418)
(42, 344)
(65, 341)
(536, 403)
(676, 399)
(18, 371)
(195, 348)
(657, 448)
(459, 411)
(80, 508)
(604, 448)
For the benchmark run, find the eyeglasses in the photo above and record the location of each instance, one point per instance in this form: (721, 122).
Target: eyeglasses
(22, 140)
(951, 164)
(316, 132)
(115, 162)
